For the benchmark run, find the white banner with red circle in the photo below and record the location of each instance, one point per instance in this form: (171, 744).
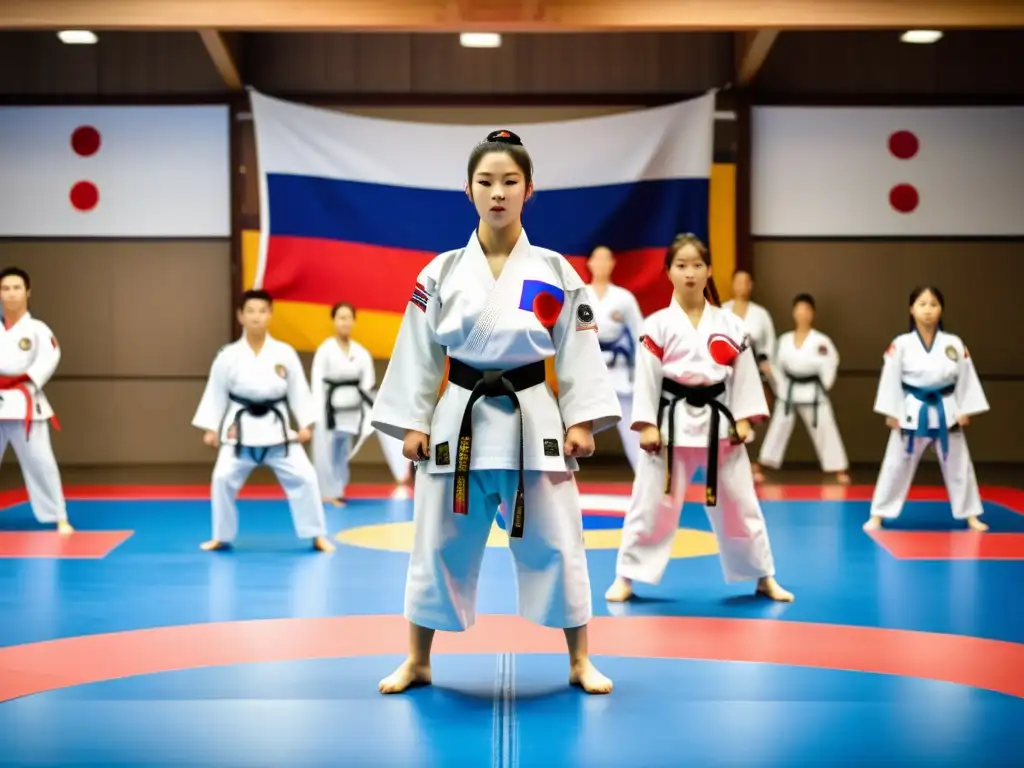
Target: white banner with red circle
(881, 171)
(115, 171)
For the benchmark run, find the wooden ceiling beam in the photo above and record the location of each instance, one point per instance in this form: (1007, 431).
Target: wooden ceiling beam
(222, 48)
(752, 49)
(509, 15)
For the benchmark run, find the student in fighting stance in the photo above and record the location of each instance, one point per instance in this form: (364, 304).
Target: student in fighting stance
(244, 413)
(470, 390)
(29, 355)
(928, 391)
(697, 393)
(804, 366)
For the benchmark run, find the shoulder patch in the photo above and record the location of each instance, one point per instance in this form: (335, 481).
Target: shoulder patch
(585, 318)
(891, 350)
(420, 297)
(967, 354)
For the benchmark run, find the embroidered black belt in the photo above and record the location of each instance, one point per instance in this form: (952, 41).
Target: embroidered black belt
(818, 390)
(490, 384)
(258, 408)
(332, 386)
(672, 394)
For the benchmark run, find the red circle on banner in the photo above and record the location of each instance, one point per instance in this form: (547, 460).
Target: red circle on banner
(84, 196)
(903, 145)
(904, 198)
(85, 140)
(547, 309)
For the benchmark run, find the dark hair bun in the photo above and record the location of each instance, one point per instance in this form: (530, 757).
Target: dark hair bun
(504, 137)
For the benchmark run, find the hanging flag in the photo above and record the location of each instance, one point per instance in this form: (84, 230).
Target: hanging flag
(887, 172)
(353, 207)
(113, 171)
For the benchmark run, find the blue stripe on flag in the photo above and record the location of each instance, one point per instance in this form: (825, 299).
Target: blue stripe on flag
(624, 217)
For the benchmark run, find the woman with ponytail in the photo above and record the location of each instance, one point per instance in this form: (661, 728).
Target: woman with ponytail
(696, 394)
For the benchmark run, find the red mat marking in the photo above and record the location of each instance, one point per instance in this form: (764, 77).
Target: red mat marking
(1010, 498)
(91, 545)
(950, 545)
(977, 662)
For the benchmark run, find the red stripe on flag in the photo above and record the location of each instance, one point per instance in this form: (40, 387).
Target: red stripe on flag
(327, 271)
(642, 272)
(381, 279)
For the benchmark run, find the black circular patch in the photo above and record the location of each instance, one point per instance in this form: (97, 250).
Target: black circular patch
(584, 313)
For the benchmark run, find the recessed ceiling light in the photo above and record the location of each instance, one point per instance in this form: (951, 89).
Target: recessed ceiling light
(921, 36)
(480, 40)
(77, 37)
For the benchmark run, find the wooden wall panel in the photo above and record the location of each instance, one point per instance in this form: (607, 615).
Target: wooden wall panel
(123, 63)
(525, 64)
(967, 62)
(139, 323)
(862, 291)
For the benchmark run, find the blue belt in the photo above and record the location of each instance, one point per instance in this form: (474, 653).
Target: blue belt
(930, 397)
(622, 346)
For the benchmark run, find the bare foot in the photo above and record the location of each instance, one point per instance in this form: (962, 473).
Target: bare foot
(64, 527)
(212, 545)
(585, 675)
(843, 478)
(323, 544)
(976, 524)
(620, 591)
(873, 523)
(408, 675)
(759, 478)
(770, 588)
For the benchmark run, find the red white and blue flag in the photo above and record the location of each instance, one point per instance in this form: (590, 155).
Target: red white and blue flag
(353, 207)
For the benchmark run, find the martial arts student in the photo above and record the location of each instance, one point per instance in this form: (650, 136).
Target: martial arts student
(762, 335)
(342, 379)
(467, 390)
(804, 367)
(29, 355)
(928, 391)
(253, 383)
(697, 392)
(618, 319)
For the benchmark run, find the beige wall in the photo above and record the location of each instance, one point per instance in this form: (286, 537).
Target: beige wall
(861, 289)
(138, 324)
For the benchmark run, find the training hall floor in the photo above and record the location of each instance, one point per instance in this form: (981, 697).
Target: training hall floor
(124, 644)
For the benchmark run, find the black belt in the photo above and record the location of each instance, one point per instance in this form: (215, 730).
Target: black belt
(804, 380)
(672, 394)
(490, 384)
(333, 385)
(258, 408)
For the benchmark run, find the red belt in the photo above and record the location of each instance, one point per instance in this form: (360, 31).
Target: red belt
(17, 383)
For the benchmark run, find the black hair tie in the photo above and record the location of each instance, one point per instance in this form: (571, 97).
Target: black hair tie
(504, 137)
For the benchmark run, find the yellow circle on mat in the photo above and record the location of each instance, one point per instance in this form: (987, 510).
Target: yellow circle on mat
(397, 537)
